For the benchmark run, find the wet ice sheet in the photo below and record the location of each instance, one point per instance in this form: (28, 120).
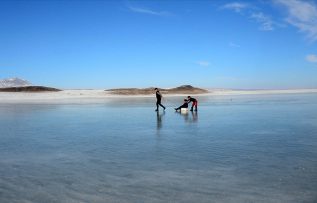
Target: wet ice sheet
(235, 149)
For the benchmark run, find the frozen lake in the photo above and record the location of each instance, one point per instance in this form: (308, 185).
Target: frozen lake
(260, 148)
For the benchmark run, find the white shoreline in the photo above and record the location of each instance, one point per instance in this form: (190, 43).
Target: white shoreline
(87, 96)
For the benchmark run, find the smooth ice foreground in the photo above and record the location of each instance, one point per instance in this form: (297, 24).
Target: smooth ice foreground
(235, 149)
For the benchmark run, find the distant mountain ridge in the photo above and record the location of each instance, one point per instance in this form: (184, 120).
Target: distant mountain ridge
(29, 89)
(14, 82)
(21, 85)
(184, 89)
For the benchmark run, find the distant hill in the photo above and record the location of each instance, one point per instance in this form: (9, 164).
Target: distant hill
(14, 82)
(184, 89)
(29, 89)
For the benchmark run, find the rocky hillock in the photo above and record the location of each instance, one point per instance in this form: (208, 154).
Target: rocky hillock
(29, 89)
(184, 89)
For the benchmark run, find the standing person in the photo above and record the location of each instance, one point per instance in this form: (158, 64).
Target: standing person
(158, 99)
(194, 104)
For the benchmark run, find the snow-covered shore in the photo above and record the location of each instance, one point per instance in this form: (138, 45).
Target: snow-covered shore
(87, 96)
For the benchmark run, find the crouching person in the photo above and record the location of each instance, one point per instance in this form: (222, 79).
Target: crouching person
(194, 103)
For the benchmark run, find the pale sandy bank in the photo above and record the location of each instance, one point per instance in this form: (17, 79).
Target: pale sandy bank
(87, 96)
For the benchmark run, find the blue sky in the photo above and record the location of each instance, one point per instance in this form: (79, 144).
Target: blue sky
(254, 44)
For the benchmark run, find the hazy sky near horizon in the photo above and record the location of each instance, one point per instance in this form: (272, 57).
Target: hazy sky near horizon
(104, 44)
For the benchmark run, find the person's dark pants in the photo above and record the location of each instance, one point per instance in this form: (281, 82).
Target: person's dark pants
(158, 102)
(182, 106)
(195, 104)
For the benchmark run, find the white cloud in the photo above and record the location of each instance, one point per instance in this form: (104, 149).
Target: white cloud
(203, 63)
(149, 11)
(303, 15)
(311, 58)
(266, 23)
(264, 20)
(235, 6)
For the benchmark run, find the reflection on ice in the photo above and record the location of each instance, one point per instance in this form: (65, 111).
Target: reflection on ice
(189, 116)
(159, 116)
(241, 149)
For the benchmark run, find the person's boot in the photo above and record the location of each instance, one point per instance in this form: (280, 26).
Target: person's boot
(191, 109)
(196, 108)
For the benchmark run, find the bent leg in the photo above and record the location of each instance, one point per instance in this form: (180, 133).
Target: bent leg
(191, 109)
(162, 106)
(196, 104)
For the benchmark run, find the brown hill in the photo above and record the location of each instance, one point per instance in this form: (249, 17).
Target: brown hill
(29, 89)
(184, 89)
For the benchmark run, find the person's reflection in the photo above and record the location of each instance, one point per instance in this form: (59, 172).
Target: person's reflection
(194, 116)
(191, 117)
(185, 115)
(159, 120)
